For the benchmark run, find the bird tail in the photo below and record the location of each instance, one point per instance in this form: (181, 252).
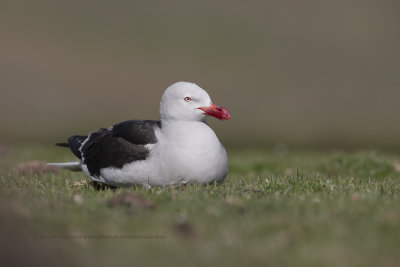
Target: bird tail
(72, 166)
(62, 144)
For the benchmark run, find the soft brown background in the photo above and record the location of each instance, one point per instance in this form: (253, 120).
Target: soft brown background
(309, 73)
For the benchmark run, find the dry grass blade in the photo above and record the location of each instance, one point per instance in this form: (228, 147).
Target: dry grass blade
(253, 189)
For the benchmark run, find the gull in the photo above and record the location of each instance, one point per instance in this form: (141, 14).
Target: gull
(179, 148)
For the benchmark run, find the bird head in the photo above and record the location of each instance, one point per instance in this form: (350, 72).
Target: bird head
(184, 101)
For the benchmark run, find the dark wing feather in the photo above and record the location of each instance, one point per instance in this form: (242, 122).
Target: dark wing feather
(137, 132)
(75, 142)
(123, 143)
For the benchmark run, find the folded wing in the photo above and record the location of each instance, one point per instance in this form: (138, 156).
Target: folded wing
(123, 143)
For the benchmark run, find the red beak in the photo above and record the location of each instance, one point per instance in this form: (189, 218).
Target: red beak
(220, 113)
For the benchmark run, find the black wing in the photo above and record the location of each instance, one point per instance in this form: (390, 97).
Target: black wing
(137, 132)
(123, 143)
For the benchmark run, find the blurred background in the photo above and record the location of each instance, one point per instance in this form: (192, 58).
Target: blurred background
(301, 73)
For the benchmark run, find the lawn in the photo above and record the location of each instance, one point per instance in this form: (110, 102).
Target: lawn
(277, 207)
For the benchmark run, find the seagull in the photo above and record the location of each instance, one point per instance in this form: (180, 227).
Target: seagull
(180, 148)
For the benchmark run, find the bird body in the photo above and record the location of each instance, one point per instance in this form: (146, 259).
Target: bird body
(185, 152)
(181, 148)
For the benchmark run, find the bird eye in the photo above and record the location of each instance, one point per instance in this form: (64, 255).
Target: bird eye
(187, 99)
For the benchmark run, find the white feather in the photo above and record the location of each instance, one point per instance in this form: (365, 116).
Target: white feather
(185, 152)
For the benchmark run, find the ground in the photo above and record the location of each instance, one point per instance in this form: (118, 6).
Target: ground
(277, 207)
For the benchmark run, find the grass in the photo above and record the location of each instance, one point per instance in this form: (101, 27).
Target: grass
(277, 207)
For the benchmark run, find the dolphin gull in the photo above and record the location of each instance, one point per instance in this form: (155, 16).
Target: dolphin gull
(180, 148)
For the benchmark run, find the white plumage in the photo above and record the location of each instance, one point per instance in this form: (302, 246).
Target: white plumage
(185, 152)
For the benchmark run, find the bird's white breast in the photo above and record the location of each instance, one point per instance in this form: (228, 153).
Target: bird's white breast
(185, 152)
(190, 152)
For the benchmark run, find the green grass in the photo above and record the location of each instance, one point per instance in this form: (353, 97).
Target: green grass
(297, 208)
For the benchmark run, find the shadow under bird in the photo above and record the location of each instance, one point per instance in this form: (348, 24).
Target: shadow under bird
(180, 148)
